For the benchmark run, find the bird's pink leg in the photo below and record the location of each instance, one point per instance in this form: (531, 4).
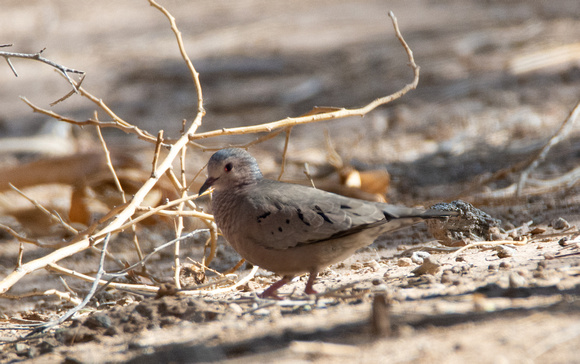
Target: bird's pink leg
(270, 292)
(310, 283)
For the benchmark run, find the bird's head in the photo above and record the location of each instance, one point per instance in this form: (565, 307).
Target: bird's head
(230, 168)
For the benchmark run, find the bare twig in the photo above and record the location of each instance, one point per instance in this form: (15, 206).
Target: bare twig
(157, 151)
(286, 142)
(37, 57)
(20, 254)
(67, 296)
(84, 302)
(110, 162)
(52, 215)
(541, 155)
(490, 243)
(117, 123)
(179, 227)
(72, 92)
(120, 286)
(194, 73)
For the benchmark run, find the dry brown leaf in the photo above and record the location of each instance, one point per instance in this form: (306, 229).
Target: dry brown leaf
(79, 210)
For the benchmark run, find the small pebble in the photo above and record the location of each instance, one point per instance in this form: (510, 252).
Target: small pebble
(505, 265)
(430, 266)
(496, 234)
(404, 262)
(356, 266)
(373, 265)
(560, 224)
(419, 257)
(235, 308)
(537, 230)
(505, 252)
(563, 241)
(446, 278)
(516, 280)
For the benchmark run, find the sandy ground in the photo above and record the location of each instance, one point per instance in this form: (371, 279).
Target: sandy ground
(497, 80)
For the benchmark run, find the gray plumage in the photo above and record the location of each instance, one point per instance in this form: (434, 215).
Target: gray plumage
(292, 229)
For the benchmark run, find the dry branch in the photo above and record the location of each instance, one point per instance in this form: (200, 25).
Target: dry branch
(37, 57)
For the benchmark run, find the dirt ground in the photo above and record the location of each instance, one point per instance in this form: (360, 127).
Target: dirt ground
(497, 81)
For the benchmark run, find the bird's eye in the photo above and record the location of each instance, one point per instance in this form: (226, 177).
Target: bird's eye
(228, 167)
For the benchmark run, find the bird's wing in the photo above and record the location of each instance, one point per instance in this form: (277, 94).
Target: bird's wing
(286, 215)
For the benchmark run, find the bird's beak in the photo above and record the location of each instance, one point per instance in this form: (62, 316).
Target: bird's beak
(207, 184)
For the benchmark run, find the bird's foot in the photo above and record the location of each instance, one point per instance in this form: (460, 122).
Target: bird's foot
(271, 291)
(310, 283)
(310, 290)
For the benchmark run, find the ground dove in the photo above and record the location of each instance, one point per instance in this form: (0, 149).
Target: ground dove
(291, 229)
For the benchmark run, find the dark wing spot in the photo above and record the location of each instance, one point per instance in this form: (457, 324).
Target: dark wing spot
(301, 217)
(263, 216)
(322, 214)
(287, 221)
(345, 207)
(388, 216)
(278, 205)
(280, 229)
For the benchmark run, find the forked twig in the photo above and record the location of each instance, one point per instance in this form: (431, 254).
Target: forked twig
(37, 57)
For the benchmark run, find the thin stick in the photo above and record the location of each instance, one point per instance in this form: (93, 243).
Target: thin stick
(20, 254)
(490, 243)
(121, 286)
(286, 142)
(117, 123)
(157, 151)
(192, 70)
(70, 93)
(67, 296)
(84, 302)
(110, 162)
(119, 187)
(52, 215)
(239, 283)
(308, 175)
(555, 139)
(236, 267)
(179, 228)
(37, 57)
